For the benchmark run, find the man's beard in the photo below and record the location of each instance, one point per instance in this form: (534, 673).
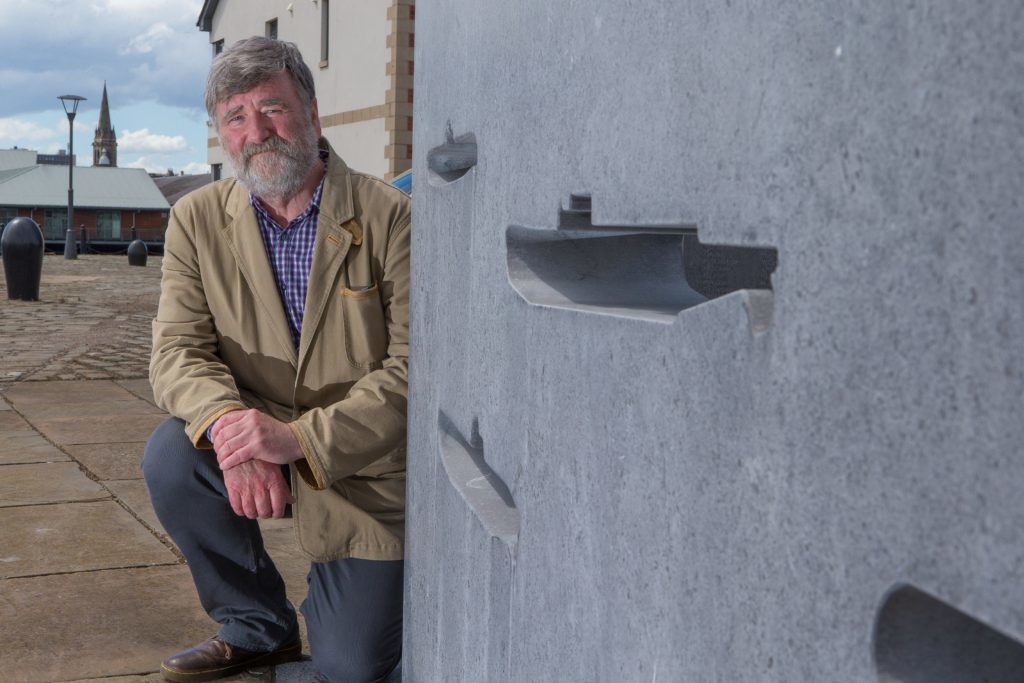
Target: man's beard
(276, 169)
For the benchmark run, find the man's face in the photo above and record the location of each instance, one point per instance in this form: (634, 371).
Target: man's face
(270, 138)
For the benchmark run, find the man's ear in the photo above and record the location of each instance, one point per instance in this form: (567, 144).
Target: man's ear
(314, 112)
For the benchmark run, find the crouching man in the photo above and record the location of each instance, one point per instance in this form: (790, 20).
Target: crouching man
(281, 346)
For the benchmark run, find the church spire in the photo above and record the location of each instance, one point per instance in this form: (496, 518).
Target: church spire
(104, 146)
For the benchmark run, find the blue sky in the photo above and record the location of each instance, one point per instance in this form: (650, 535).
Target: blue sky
(152, 56)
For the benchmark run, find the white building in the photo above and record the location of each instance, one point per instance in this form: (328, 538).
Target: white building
(361, 55)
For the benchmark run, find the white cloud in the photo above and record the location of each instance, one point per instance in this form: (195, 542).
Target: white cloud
(158, 164)
(144, 141)
(148, 163)
(153, 37)
(195, 168)
(17, 131)
(149, 53)
(87, 43)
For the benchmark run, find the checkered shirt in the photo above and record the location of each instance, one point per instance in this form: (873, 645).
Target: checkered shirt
(290, 252)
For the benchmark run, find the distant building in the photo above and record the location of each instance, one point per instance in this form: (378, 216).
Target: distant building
(61, 158)
(109, 201)
(361, 55)
(174, 187)
(104, 145)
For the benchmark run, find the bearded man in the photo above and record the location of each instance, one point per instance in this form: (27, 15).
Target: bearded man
(281, 345)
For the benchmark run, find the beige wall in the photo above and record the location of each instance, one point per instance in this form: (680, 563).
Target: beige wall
(352, 85)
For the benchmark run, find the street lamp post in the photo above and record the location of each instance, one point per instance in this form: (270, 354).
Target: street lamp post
(70, 103)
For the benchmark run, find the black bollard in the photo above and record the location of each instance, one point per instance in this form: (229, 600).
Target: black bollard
(83, 246)
(22, 246)
(137, 253)
(70, 246)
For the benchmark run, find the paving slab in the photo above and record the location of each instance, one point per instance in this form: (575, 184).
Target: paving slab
(138, 678)
(105, 408)
(27, 446)
(10, 421)
(25, 394)
(134, 494)
(140, 387)
(14, 426)
(47, 539)
(40, 483)
(119, 622)
(99, 429)
(110, 460)
(74, 368)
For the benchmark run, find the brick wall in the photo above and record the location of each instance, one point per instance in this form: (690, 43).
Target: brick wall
(149, 225)
(398, 120)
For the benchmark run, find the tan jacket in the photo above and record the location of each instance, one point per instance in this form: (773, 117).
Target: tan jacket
(221, 342)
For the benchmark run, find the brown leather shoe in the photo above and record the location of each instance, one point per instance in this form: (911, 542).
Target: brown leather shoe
(215, 658)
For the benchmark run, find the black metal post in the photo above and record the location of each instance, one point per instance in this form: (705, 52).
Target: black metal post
(70, 103)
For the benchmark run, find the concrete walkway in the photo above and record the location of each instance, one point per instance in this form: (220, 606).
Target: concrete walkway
(91, 589)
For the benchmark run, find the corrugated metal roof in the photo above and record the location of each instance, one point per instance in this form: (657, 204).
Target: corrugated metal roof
(12, 172)
(176, 187)
(95, 188)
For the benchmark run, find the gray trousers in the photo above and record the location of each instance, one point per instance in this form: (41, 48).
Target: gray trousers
(353, 609)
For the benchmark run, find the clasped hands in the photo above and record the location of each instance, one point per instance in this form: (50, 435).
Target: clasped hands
(251, 447)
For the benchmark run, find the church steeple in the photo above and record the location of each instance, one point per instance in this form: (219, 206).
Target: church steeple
(104, 146)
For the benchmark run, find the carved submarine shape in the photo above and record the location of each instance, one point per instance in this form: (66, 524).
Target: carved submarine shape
(640, 271)
(480, 487)
(450, 161)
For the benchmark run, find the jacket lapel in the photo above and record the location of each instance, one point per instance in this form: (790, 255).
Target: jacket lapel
(337, 231)
(246, 243)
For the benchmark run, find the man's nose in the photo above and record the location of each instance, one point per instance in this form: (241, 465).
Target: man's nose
(258, 128)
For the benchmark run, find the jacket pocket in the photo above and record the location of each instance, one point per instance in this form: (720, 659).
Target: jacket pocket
(366, 335)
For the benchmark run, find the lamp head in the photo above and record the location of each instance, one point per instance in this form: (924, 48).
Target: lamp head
(70, 103)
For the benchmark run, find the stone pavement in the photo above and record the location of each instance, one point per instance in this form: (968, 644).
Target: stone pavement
(91, 589)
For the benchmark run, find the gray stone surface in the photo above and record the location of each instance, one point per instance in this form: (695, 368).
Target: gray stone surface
(730, 490)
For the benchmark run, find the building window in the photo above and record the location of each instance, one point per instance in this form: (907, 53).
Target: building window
(272, 29)
(325, 30)
(7, 215)
(218, 47)
(216, 170)
(55, 223)
(108, 225)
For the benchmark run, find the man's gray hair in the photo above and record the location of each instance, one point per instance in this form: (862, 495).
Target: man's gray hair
(250, 62)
